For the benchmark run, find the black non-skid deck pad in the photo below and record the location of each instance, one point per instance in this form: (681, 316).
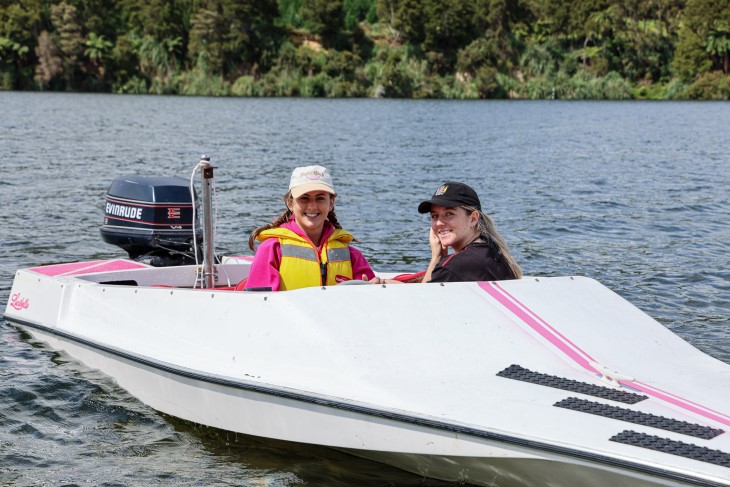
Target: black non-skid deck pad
(518, 372)
(638, 417)
(687, 450)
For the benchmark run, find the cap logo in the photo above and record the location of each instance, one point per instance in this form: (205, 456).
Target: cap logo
(313, 175)
(441, 190)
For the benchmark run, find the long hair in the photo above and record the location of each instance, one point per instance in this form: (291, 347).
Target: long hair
(284, 217)
(488, 232)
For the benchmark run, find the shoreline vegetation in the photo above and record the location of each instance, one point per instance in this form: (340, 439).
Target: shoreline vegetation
(449, 49)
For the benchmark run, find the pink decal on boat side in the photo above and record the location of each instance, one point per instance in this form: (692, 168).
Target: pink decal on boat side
(18, 302)
(582, 358)
(108, 266)
(76, 268)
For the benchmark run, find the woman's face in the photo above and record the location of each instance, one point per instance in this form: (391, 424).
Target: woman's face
(310, 212)
(454, 227)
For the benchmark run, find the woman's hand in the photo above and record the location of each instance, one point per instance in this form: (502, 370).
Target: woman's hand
(377, 280)
(438, 251)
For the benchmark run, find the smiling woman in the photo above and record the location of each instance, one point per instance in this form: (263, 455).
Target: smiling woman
(457, 221)
(305, 245)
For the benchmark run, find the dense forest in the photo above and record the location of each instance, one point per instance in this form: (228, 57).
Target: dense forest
(460, 49)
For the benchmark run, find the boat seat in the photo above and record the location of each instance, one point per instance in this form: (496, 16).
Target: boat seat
(415, 277)
(224, 288)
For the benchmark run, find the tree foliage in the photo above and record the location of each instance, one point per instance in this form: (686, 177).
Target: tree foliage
(399, 48)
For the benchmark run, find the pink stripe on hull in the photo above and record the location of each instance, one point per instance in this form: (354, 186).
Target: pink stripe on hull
(547, 325)
(559, 341)
(546, 332)
(679, 402)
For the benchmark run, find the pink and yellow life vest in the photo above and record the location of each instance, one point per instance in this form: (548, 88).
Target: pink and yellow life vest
(303, 266)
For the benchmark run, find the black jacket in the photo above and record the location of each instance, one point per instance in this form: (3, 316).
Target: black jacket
(476, 262)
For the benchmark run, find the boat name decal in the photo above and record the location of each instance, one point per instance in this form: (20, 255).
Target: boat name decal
(123, 211)
(18, 302)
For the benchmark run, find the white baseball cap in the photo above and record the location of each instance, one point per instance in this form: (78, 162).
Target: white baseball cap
(310, 178)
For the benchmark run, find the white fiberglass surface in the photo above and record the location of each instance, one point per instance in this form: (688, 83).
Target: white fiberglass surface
(424, 348)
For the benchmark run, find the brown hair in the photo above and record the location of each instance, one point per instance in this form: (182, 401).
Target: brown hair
(284, 217)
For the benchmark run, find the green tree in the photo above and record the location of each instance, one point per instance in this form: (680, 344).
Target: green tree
(50, 65)
(324, 17)
(704, 26)
(11, 55)
(714, 85)
(405, 18)
(206, 40)
(416, 48)
(436, 28)
(357, 11)
(20, 26)
(157, 61)
(161, 19)
(97, 51)
(504, 26)
(540, 60)
(449, 26)
(70, 41)
(96, 47)
(234, 37)
(640, 41)
(599, 27)
(153, 41)
(289, 12)
(393, 79)
(718, 45)
(564, 20)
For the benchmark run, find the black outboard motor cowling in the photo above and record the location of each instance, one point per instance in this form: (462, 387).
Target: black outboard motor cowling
(151, 217)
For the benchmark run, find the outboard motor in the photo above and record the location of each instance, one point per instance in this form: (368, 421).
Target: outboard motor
(151, 217)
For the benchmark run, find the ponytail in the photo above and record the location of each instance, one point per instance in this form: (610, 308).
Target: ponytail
(333, 219)
(283, 217)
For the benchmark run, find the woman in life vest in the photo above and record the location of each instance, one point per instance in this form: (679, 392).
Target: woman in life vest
(457, 221)
(305, 245)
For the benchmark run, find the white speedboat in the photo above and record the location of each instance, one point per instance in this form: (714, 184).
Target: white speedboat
(537, 381)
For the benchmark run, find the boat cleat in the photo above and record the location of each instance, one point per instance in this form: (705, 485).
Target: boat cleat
(611, 377)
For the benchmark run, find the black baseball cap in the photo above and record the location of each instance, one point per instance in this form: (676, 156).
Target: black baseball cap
(451, 195)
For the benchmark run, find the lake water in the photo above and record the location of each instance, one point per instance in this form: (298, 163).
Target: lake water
(633, 194)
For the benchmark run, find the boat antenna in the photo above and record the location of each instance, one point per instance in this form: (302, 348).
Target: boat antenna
(209, 276)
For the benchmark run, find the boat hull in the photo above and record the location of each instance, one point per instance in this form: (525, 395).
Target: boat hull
(425, 397)
(291, 416)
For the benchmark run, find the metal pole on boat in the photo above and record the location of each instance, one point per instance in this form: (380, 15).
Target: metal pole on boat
(206, 169)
